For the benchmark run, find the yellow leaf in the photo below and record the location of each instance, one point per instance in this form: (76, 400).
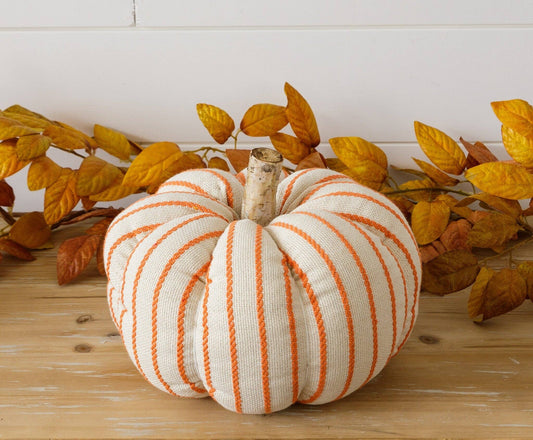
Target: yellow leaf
(219, 124)
(95, 175)
(148, 166)
(112, 142)
(219, 163)
(60, 198)
(264, 120)
(27, 117)
(519, 147)
(9, 161)
(506, 206)
(415, 189)
(492, 231)
(11, 128)
(441, 149)
(69, 138)
(43, 172)
(352, 150)
(301, 117)
(186, 161)
(30, 230)
(115, 192)
(429, 220)
(32, 146)
(368, 173)
(516, 114)
(435, 174)
(507, 180)
(292, 148)
(477, 294)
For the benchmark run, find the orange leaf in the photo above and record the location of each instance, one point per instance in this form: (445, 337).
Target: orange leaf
(148, 166)
(516, 114)
(30, 230)
(16, 250)
(95, 175)
(87, 203)
(263, 120)
(313, 160)
(510, 207)
(429, 220)
(115, 192)
(493, 230)
(60, 198)
(100, 260)
(9, 161)
(187, 161)
(100, 227)
(435, 174)
(431, 251)
(219, 124)
(112, 142)
(352, 150)
(525, 270)
(450, 272)
(479, 152)
(292, 148)
(501, 179)
(74, 255)
(69, 138)
(519, 147)
(7, 196)
(238, 158)
(477, 294)
(43, 172)
(32, 146)
(301, 118)
(455, 235)
(441, 149)
(219, 163)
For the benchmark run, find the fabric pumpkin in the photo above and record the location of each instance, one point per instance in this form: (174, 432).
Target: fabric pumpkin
(307, 309)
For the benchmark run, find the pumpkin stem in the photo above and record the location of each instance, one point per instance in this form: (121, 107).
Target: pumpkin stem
(259, 202)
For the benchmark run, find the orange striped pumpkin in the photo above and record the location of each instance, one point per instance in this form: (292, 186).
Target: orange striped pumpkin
(308, 308)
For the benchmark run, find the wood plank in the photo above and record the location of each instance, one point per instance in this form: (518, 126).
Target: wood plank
(65, 374)
(204, 13)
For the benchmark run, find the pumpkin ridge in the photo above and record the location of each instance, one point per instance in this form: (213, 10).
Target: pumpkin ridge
(289, 188)
(205, 340)
(229, 191)
(110, 302)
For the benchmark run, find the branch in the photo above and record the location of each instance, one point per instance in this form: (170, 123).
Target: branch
(7, 216)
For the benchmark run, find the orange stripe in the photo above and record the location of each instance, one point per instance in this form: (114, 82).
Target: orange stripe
(292, 329)
(231, 318)
(136, 285)
(229, 191)
(342, 291)
(186, 184)
(261, 318)
(322, 184)
(205, 340)
(320, 326)
(155, 301)
(241, 178)
(289, 188)
(111, 308)
(334, 177)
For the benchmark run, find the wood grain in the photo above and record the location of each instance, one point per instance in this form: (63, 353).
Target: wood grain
(65, 374)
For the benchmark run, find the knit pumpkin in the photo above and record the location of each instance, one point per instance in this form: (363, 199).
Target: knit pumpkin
(308, 308)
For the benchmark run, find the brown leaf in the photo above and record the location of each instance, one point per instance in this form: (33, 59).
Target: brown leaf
(43, 173)
(429, 220)
(502, 179)
(219, 124)
(218, 163)
(100, 260)
(292, 148)
(263, 120)
(525, 270)
(470, 162)
(238, 158)
(455, 235)
(14, 249)
(301, 118)
(431, 251)
(87, 203)
(516, 114)
(30, 230)
(9, 161)
(96, 175)
(493, 230)
(478, 293)
(102, 212)
(510, 207)
(450, 272)
(112, 142)
(32, 146)
(74, 255)
(479, 152)
(313, 160)
(60, 197)
(476, 216)
(100, 227)
(435, 174)
(69, 138)
(7, 196)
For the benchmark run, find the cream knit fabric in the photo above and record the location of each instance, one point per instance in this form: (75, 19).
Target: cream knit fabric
(307, 309)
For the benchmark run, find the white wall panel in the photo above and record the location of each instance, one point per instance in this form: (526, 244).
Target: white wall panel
(332, 13)
(67, 13)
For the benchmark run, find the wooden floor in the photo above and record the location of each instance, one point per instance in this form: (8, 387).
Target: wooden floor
(65, 374)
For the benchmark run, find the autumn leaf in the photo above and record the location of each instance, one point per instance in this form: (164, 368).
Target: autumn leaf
(292, 148)
(148, 166)
(219, 124)
(506, 206)
(27, 117)
(117, 190)
(95, 175)
(351, 150)
(455, 236)
(510, 181)
(525, 270)
(238, 158)
(435, 174)
(479, 152)
(69, 138)
(415, 189)
(43, 172)
(112, 142)
(313, 160)
(15, 250)
(11, 128)
(301, 118)
(477, 293)
(493, 230)
(100, 259)
(519, 147)
(450, 272)
(187, 161)
(263, 120)
(32, 146)
(74, 255)
(60, 198)
(100, 227)
(218, 162)
(87, 203)
(7, 196)
(9, 161)
(441, 149)
(516, 114)
(429, 220)
(431, 251)
(30, 230)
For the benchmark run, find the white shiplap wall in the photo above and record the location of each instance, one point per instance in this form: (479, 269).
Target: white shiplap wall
(367, 67)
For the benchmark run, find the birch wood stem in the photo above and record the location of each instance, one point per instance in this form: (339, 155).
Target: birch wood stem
(259, 202)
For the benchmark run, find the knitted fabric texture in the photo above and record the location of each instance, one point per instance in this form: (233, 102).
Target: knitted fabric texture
(308, 308)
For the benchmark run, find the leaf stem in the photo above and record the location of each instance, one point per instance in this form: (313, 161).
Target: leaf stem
(234, 136)
(7, 216)
(510, 249)
(69, 151)
(439, 189)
